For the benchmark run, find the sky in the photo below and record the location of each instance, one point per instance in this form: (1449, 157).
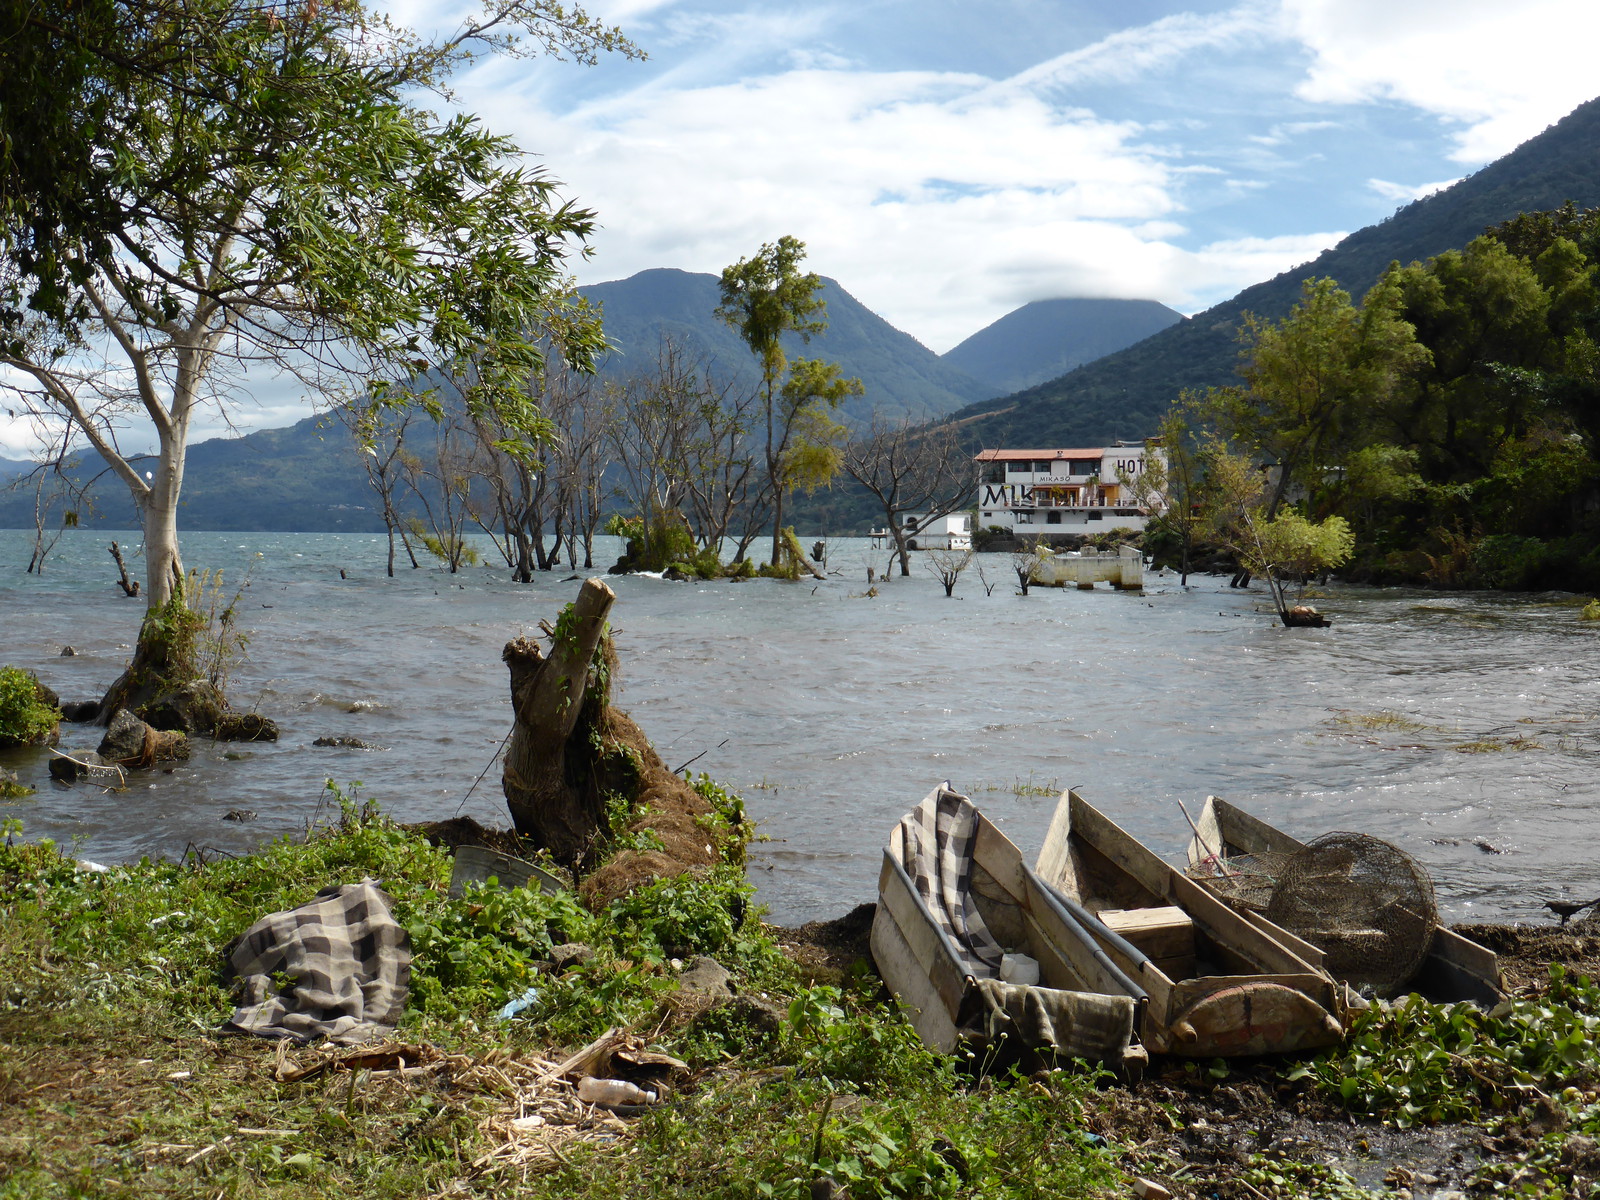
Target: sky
(949, 162)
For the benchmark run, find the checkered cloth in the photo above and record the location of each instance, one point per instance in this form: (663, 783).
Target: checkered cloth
(933, 842)
(337, 967)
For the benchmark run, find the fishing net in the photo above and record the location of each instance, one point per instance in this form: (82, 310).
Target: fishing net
(1245, 881)
(1367, 904)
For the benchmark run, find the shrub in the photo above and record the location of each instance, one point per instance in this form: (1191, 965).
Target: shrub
(25, 717)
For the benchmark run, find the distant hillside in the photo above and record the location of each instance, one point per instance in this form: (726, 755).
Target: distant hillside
(308, 477)
(1046, 339)
(1126, 393)
(902, 376)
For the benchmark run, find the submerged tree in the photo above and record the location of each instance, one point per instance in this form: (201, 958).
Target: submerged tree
(262, 185)
(765, 298)
(948, 565)
(1286, 549)
(911, 469)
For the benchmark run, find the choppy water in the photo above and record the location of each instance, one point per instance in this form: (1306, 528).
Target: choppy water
(1429, 719)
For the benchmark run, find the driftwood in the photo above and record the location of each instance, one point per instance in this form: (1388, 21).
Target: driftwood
(129, 587)
(797, 555)
(547, 697)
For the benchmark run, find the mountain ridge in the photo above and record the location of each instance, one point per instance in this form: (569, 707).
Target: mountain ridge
(1125, 394)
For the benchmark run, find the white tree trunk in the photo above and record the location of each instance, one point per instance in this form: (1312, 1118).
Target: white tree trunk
(163, 563)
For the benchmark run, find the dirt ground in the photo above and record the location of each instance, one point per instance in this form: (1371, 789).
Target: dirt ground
(1199, 1134)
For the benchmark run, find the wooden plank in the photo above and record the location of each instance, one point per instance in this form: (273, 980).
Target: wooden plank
(1120, 847)
(1293, 943)
(1255, 940)
(1072, 966)
(1165, 932)
(926, 941)
(1054, 863)
(900, 969)
(998, 854)
(1466, 954)
(1243, 833)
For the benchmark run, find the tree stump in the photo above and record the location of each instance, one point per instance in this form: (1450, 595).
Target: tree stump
(548, 694)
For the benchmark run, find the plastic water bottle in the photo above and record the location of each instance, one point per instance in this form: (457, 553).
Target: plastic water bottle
(612, 1091)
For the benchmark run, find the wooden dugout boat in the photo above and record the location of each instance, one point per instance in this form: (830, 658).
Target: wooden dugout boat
(1456, 968)
(1218, 983)
(928, 920)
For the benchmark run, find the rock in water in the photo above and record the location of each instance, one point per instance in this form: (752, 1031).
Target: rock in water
(74, 768)
(193, 708)
(124, 739)
(130, 742)
(245, 727)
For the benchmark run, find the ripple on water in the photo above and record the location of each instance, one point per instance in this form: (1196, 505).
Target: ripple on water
(833, 714)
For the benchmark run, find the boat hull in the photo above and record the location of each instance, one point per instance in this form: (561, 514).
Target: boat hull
(1270, 994)
(1091, 1010)
(1456, 967)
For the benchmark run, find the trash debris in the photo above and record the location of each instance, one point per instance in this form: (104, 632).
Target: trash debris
(513, 1007)
(613, 1093)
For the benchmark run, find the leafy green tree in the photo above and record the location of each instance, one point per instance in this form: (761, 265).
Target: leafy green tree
(1503, 420)
(1311, 379)
(264, 186)
(765, 298)
(1285, 549)
(1171, 486)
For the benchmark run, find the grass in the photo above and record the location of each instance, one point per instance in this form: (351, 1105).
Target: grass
(114, 1082)
(1023, 788)
(1381, 722)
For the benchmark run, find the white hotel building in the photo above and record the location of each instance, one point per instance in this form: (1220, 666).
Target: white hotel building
(1075, 491)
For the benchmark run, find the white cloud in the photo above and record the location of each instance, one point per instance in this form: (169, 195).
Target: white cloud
(1502, 71)
(1278, 135)
(1149, 50)
(914, 189)
(1407, 192)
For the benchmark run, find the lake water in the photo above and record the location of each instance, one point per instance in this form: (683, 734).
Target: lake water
(1433, 720)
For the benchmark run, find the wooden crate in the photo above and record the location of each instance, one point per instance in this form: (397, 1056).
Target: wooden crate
(1164, 934)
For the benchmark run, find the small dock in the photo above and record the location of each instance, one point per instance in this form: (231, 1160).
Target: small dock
(1123, 570)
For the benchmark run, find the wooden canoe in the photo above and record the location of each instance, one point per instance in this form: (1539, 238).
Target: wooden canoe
(1456, 968)
(1218, 983)
(939, 985)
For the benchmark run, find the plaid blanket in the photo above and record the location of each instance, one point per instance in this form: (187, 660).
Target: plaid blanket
(933, 842)
(337, 967)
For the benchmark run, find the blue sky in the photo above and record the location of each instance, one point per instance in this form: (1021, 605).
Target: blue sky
(948, 162)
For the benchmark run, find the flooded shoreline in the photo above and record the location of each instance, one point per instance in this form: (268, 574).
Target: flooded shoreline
(1465, 727)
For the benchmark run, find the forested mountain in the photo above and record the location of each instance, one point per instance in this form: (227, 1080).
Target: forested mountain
(901, 376)
(1048, 338)
(308, 476)
(1125, 394)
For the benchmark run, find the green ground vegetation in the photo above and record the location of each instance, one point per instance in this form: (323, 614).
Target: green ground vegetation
(1528, 1070)
(115, 1083)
